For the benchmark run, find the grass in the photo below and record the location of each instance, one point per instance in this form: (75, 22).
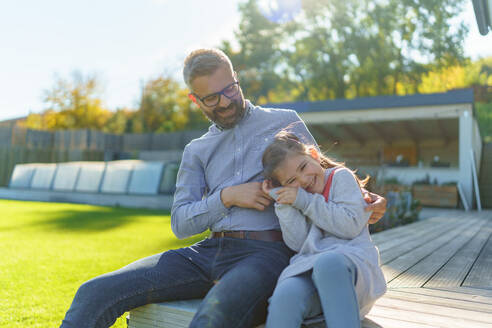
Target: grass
(49, 249)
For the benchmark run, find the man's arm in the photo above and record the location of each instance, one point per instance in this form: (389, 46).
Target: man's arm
(192, 212)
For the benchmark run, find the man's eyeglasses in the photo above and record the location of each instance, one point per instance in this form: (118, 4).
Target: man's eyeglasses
(213, 99)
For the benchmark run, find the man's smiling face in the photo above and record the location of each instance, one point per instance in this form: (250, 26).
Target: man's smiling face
(227, 112)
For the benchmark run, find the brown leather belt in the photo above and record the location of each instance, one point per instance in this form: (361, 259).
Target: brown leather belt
(266, 235)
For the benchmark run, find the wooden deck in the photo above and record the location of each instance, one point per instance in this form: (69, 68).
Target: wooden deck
(439, 273)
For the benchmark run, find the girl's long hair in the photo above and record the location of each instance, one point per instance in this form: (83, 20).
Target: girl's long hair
(286, 144)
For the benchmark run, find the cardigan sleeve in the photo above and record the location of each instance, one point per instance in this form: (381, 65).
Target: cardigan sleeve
(343, 214)
(293, 224)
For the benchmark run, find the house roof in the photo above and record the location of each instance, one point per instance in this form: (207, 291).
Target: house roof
(459, 96)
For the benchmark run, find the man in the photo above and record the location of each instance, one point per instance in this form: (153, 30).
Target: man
(218, 188)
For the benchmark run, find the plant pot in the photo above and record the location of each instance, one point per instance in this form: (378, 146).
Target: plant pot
(433, 195)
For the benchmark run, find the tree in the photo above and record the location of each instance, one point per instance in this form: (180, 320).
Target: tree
(470, 74)
(120, 121)
(72, 104)
(258, 55)
(165, 107)
(343, 49)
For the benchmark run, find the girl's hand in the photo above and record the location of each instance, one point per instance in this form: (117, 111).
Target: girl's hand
(287, 195)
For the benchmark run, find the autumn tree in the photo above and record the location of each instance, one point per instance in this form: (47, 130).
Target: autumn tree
(73, 103)
(120, 121)
(165, 107)
(469, 74)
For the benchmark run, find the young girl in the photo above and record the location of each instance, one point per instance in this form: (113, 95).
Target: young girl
(321, 211)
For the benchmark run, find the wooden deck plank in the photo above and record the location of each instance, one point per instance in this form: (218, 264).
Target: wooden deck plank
(382, 322)
(424, 313)
(487, 293)
(164, 317)
(422, 271)
(401, 264)
(459, 293)
(143, 322)
(481, 272)
(422, 306)
(443, 298)
(386, 236)
(453, 273)
(413, 233)
(423, 319)
(421, 238)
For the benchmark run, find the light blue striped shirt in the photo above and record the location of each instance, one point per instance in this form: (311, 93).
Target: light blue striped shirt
(223, 158)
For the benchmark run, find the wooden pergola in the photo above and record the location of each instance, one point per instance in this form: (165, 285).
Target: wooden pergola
(372, 133)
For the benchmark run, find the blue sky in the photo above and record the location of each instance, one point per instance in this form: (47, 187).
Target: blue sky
(125, 42)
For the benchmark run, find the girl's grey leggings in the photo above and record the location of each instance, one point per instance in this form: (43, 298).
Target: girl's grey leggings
(327, 289)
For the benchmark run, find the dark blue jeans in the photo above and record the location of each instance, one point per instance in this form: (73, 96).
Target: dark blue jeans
(234, 276)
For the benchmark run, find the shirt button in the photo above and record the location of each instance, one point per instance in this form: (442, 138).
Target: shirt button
(237, 173)
(266, 139)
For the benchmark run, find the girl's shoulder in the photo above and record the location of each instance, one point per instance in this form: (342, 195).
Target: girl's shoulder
(343, 176)
(340, 172)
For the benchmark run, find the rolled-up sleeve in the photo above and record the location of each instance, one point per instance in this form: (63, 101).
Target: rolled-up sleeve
(193, 210)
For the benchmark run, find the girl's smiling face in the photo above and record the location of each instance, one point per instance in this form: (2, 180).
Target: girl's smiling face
(301, 170)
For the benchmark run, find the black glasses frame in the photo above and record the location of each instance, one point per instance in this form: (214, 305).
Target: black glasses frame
(220, 93)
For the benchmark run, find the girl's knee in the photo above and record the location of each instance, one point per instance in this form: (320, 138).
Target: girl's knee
(283, 306)
(280, 300)
(331, 264)
(293, 296)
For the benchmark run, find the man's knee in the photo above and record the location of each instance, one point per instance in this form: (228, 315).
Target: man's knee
(210, 314)
(91, 290)
(216, 313)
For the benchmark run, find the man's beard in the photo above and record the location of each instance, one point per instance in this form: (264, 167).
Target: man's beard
(232, 119)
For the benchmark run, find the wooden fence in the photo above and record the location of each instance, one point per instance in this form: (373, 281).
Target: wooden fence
(20, 145)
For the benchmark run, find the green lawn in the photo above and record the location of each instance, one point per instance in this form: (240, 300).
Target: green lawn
(49, 249)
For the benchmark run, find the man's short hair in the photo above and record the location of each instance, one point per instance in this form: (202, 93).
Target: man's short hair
(202, 62)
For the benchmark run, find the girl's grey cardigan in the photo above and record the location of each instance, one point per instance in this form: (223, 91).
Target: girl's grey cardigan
(312, 226)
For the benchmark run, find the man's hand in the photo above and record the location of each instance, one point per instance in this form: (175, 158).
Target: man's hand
(246, 195)
(376, 204)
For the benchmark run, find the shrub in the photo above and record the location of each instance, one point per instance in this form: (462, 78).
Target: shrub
(402, 209)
